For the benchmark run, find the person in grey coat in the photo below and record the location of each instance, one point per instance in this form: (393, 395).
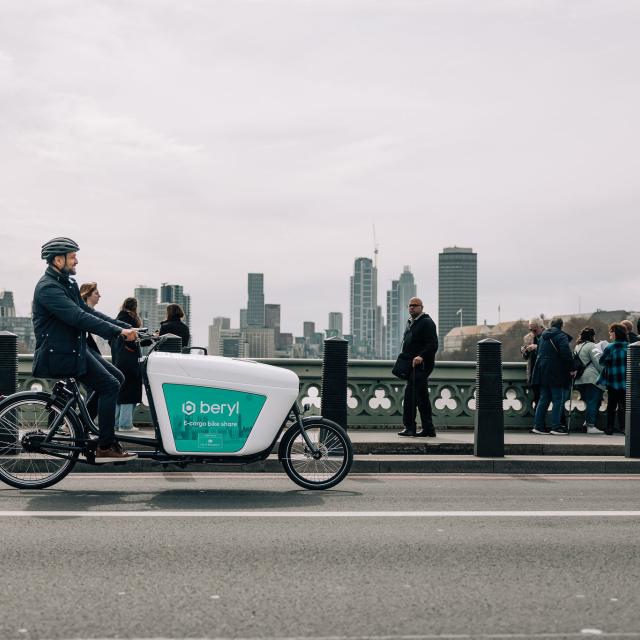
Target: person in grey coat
(587, 383)
(553, 372)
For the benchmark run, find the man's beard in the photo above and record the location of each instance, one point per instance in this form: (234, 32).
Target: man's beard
(69, 271)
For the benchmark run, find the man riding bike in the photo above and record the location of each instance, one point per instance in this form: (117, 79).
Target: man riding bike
(61, 320)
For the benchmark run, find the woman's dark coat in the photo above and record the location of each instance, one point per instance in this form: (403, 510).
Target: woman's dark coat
(124, 355)
(178, 328)
(555, 360)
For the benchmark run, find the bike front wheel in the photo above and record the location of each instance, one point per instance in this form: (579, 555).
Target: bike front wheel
(328, 466)
(27, 420)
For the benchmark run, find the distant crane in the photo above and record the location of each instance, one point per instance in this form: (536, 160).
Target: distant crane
(376, 247)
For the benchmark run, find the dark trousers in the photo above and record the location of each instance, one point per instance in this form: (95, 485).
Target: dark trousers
(416, 394)
(105, 380)
(535, 388)
(616, 405)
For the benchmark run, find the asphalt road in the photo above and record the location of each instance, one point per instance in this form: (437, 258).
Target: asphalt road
(251, 556)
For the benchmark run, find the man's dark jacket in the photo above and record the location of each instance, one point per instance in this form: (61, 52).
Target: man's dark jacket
(61, 320)
(555, 360)
(421, 339)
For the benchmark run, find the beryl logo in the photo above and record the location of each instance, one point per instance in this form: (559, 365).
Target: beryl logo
(209, 419)
(188, 408)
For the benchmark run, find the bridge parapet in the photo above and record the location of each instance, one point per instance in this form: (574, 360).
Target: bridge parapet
(374, 395)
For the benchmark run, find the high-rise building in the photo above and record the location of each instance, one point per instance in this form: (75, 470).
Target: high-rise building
(255, 303)
(7, 306)
(147, 298)
(22, 327)
(457, 289)
(243, 319)
(174, 294)
(364, 308)
(402, 290)
(335, 324)
(260, 342)
(272, 321)
(308, 329)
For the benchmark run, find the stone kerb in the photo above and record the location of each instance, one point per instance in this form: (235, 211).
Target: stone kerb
(374, 395)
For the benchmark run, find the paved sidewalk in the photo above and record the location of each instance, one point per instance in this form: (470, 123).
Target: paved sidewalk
(383, 451)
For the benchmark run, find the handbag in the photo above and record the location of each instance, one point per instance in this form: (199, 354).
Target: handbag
(403, 366)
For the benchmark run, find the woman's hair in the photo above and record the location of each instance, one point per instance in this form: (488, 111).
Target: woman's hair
(619, 330)
(586, 335)
(174, 312)
(130, 305)
(87, 289)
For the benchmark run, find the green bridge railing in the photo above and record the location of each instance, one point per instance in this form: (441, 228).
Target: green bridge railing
(374, 395)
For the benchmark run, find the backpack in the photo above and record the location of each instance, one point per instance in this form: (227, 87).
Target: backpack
(578, 365)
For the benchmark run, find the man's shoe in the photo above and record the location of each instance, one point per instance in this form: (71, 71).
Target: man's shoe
(593, 429)
(115, 453)
(127, 429)
(543, 431)
(559, 431)
(407, 432)
(426, 434)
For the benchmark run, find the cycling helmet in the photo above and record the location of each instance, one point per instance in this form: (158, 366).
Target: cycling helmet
(58, 247)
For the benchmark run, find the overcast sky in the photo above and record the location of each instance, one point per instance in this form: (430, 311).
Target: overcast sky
(194, 141)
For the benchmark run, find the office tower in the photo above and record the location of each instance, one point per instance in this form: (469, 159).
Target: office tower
(7, 306)
(223, 323)
(402, 290)
(255, 303)
(243, 319)
(22, 327)
(335, 324)
(364, 308)
(272, 321)
(147, 298)
(457, 289)
(308, 329)
(174, 294)
(381, 338)
(260, 342)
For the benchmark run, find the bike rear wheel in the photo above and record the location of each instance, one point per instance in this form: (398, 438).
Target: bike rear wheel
(332, 463)
(35, 469)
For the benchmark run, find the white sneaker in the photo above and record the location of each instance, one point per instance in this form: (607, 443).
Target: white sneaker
(127, 429)
(593, 429)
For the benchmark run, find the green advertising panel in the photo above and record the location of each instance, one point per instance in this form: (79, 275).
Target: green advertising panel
(210, 420)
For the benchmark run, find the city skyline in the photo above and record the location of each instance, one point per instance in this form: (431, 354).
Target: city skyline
(298, 142)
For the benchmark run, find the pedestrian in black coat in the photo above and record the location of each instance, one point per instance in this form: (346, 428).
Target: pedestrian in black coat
(554, 371)
(419, 345)
(125, 357)
(173, 324)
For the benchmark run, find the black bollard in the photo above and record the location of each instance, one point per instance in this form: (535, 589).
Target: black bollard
(632, 413)
(8, 363)
(8, 386)
(489, 419)
(170, 344)
(334, 380)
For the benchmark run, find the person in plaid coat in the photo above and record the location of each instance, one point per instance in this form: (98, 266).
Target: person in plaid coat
(614, 377)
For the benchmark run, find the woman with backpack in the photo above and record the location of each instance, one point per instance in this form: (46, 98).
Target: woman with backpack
(587, 358)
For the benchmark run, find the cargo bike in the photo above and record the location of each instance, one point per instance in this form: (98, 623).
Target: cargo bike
(204, 409)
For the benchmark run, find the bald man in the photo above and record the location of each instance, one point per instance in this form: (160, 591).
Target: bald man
(419, 344)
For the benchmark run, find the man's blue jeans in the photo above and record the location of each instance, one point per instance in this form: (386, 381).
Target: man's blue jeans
(592, 395)
(549, 395)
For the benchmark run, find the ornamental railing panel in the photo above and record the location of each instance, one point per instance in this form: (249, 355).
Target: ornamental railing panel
(375, 396)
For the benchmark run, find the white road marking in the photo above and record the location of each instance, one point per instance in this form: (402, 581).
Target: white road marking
(318, 514)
